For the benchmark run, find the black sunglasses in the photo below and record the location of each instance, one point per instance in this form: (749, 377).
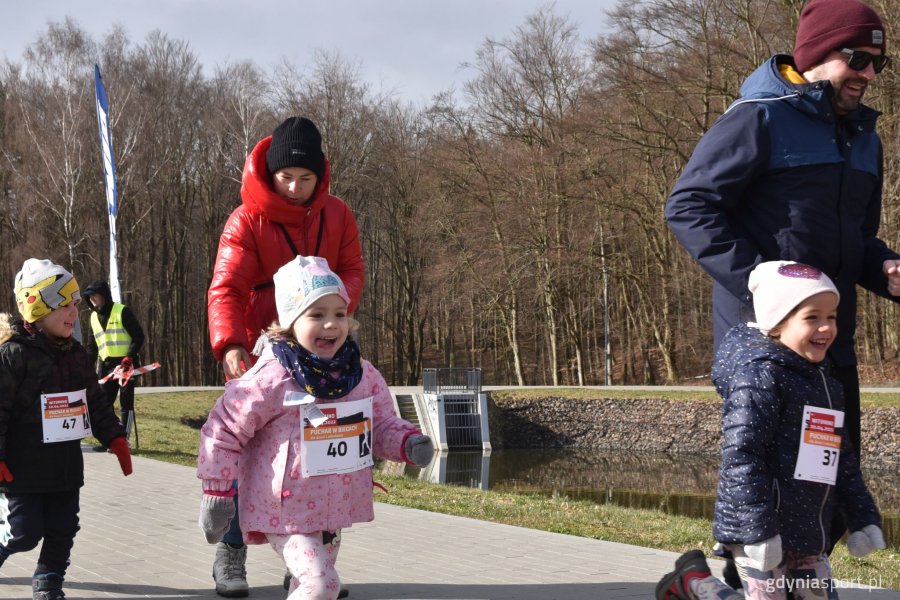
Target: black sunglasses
(860, 59)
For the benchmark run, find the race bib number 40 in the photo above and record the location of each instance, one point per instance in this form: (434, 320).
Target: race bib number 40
(820, 445)
(65, 416)
(339, 443)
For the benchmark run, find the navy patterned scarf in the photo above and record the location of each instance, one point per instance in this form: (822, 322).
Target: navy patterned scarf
(323, 378)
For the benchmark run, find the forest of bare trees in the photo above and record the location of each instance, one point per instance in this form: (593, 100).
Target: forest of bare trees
(515, 224)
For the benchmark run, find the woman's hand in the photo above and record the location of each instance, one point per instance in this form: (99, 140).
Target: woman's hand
(235, 361)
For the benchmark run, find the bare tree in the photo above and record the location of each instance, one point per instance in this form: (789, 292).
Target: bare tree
(49, 111)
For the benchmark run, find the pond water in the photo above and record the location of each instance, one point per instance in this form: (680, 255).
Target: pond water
(682, 484)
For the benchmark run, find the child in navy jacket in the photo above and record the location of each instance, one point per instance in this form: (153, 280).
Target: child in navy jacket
(787, 462)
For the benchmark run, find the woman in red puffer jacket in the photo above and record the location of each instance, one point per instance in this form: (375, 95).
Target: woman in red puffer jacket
(286, 211)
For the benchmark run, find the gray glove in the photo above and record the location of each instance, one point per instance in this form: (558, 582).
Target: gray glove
(865, 541)
(216, 513)
(419, 449)
(765, 555)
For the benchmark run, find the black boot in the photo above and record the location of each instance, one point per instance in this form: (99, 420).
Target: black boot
(47, 586)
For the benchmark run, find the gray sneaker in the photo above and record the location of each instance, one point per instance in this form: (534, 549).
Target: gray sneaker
(230, 572)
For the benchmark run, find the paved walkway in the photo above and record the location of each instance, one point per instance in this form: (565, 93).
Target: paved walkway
(140, 539)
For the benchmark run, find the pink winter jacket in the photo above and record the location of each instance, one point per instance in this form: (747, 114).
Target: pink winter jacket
(250, 436)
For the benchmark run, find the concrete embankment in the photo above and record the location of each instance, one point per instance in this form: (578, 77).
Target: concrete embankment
(647, 425)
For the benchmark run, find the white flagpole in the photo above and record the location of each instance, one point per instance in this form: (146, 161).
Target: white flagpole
(109, 172)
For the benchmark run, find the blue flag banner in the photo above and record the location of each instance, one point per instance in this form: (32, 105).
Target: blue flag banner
(109, 173)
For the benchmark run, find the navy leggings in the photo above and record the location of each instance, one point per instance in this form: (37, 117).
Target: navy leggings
(26, 519)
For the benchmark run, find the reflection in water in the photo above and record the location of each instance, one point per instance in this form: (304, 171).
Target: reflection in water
(681, 484)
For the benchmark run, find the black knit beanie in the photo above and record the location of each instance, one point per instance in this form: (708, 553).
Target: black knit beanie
(296, 143)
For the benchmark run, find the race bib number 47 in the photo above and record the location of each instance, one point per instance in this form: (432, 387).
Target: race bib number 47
(65, 416)
(337, 437)
(820, 445)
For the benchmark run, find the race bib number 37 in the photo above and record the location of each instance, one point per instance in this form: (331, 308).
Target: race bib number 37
(339, 440)
(65, 416)
(820, 445)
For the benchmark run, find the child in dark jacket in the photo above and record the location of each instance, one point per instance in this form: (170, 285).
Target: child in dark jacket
(787, 462)
(49, 400)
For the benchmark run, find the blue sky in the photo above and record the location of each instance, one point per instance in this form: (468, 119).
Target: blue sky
(413, 47)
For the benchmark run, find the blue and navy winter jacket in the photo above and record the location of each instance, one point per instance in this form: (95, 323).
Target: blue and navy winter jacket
(780, 177)
(765, 386)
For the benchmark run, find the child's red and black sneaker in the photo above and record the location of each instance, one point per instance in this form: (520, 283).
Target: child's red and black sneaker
(676, 585)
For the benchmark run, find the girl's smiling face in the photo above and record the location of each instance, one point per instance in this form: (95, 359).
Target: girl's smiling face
(810, 329)
(323, 327)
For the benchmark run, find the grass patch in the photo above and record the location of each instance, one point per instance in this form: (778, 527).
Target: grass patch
(559, 514)
(167, 423)
(162, 425)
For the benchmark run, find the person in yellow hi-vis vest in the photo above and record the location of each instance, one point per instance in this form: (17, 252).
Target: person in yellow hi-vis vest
(117, 338)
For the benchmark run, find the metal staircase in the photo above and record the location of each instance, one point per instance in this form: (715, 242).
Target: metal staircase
(453, 412)
(406, 407)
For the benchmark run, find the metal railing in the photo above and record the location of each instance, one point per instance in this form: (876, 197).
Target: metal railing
(457, 393)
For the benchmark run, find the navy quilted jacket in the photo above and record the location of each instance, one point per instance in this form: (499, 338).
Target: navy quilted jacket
(779, 177)
(765, 386)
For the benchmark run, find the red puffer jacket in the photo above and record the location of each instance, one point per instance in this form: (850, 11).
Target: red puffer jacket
(253, 246)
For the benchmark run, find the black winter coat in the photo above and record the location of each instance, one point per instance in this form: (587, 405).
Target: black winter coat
(31, 365)
(765, 386)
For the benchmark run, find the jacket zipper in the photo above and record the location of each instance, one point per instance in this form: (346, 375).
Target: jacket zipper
(763, 100)
(777, 490)
(828, 488)
(306, 232)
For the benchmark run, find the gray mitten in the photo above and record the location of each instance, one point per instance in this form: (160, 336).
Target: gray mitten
(419, 449)
(764, 555)
(216, 513)
(865, 541)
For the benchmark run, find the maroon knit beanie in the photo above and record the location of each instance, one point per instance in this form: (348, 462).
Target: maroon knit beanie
(829, 25)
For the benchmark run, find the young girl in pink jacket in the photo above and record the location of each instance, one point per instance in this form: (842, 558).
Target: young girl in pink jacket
(298, 431)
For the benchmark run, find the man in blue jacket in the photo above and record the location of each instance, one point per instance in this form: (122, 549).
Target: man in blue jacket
(793, 170)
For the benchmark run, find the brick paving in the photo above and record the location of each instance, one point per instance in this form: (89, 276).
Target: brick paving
(140, 539)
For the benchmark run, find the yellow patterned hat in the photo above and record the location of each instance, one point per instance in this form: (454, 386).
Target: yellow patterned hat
(42, 287)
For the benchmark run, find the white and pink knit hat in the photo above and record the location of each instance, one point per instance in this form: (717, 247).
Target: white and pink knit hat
(299, 283)
(779, 286)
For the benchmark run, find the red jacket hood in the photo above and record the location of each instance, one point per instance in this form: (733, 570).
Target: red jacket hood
(258, 196)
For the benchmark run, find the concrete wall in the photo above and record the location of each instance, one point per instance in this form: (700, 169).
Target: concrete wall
(652, 425)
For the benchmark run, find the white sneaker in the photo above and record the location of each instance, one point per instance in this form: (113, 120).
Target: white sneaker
(230, 572)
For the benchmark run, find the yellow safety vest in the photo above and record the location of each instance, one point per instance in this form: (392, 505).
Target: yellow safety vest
(114, 340)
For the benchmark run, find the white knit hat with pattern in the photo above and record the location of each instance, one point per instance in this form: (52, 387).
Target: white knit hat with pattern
(301, 282)
(779, 286)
